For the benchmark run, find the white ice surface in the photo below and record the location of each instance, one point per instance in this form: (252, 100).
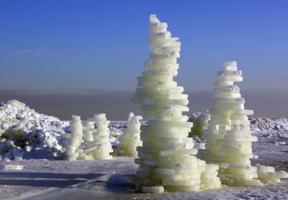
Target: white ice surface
(46, 176)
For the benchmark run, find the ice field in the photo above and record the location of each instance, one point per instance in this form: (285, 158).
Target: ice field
(45, 175)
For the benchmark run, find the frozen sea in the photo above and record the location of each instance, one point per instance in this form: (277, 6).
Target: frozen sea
(45, 175)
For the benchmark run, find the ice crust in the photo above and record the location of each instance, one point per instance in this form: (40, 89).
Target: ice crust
(165, 157)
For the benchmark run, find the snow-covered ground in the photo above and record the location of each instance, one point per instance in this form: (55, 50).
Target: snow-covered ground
(36, 142)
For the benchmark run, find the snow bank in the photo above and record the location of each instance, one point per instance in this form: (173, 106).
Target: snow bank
(25, 131)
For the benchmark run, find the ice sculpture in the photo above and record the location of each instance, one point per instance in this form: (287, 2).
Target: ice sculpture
(130, 138)
(97, 144)
(228, 136)
(166, 156)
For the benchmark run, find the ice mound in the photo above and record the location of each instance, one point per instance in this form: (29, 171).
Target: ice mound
(26, 133)
(167, 156)
(130, 138)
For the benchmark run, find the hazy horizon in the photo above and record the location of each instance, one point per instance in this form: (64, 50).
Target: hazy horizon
(66, 57)
(117, 105)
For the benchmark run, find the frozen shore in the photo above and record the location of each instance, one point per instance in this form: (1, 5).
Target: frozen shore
(55, 178)
(39, 140)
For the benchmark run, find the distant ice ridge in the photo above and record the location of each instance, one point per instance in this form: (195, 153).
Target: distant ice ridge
(258, 125)
(267, 125)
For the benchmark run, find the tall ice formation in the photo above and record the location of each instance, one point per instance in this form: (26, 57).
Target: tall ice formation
(228, 136)
(165, 159)
(130, 138)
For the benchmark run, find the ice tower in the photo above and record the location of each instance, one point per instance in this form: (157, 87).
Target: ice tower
(165, 159)
(228, 136)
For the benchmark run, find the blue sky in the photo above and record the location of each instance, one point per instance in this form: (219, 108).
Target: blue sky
(69, 46)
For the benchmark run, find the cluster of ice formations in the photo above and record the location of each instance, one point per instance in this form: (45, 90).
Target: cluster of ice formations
(166, 156)
(228, 136)
(96, 141)
(26, 133)
(130, 138)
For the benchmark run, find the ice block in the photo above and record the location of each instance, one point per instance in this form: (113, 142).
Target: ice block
(167, 157)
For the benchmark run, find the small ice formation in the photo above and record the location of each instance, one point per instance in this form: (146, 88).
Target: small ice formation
(228, 136)
(267, 174)
(166, 158)
(130, 138)
(96, 141)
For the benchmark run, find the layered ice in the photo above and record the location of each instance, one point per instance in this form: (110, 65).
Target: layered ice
(75, 139)
(167, 155)
(228, 136)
